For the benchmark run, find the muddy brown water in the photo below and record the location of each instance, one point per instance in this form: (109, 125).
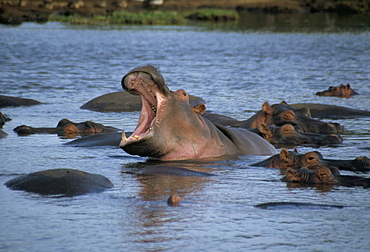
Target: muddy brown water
(235, 68)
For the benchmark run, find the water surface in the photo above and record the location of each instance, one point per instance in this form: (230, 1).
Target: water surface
(235, 69)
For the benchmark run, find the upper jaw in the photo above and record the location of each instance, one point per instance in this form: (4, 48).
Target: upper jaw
(142, 84)
(151, 73)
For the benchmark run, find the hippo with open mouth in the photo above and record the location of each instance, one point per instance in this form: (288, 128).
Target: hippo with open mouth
(169, 128)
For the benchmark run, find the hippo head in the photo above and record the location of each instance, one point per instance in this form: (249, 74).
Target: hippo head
(282, 113)
(320, 175)
(294, 135)
(167, 122)
(344, 91)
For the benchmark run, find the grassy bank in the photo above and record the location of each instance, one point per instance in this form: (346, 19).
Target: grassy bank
(150, 17)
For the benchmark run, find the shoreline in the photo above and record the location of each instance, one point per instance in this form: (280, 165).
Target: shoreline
(14, 12)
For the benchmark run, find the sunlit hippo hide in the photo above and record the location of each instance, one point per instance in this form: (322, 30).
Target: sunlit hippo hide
(291, 159)
(67, 128)
(318, 110)
(290, 135)
(169, 128)
(63, 182)
(344, 91)
(282, 113)
(12, 101)
(123, 102)
(323, 175)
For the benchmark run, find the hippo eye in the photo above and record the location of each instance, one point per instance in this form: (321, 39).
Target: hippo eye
(335, 89)
(184, 93)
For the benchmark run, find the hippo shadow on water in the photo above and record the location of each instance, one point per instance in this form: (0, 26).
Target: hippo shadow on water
(60, 183)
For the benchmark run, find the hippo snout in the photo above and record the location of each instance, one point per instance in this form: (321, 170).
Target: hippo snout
(334, 139)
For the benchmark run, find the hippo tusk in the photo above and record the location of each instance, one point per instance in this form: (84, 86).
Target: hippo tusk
(124, 138)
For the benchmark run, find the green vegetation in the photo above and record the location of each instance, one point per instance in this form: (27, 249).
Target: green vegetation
(149, 17)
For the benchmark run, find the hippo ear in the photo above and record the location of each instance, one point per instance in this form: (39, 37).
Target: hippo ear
(284, 154)
(199, 109)
(284, 102)
(267, 108)
(288, 115)
(295, 150)
(264, 129)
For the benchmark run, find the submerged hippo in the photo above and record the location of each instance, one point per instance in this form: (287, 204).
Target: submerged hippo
(291, 159)
(12, 101)
(294, 135)
(3, 119)
(344, 91)
(66, 127)
(64, 182)
(169, 128)
(222, 119)
(282, 113)
(123, 102)
(324, 175)
(318, 110)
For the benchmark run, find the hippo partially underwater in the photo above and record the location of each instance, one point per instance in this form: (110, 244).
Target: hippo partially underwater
(344, 91)
(169, 128)
(67, 128)
(294, 160)
(61, 182)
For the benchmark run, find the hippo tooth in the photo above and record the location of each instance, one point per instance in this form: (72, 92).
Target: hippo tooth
(134, 137)
(124, 139)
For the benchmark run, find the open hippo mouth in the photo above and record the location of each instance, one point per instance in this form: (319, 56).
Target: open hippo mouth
(147, 82)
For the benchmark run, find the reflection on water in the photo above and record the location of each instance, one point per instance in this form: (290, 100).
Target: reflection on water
(235, 68)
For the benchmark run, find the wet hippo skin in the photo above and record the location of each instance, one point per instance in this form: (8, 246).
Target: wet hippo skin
(169, 128)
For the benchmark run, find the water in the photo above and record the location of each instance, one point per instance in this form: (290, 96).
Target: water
(235, 68)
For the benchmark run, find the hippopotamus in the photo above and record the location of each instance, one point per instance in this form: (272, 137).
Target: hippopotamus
(63, 182)
(344, 91)
(169, 128)
(323, 175)
(291, 159)
(106, 139)
(290, 135)
(222, 119)
(318, 110)
(3, 119)
(123, 102)
(66, 127)
(280, 114)
(12, 101)
(174, 200)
